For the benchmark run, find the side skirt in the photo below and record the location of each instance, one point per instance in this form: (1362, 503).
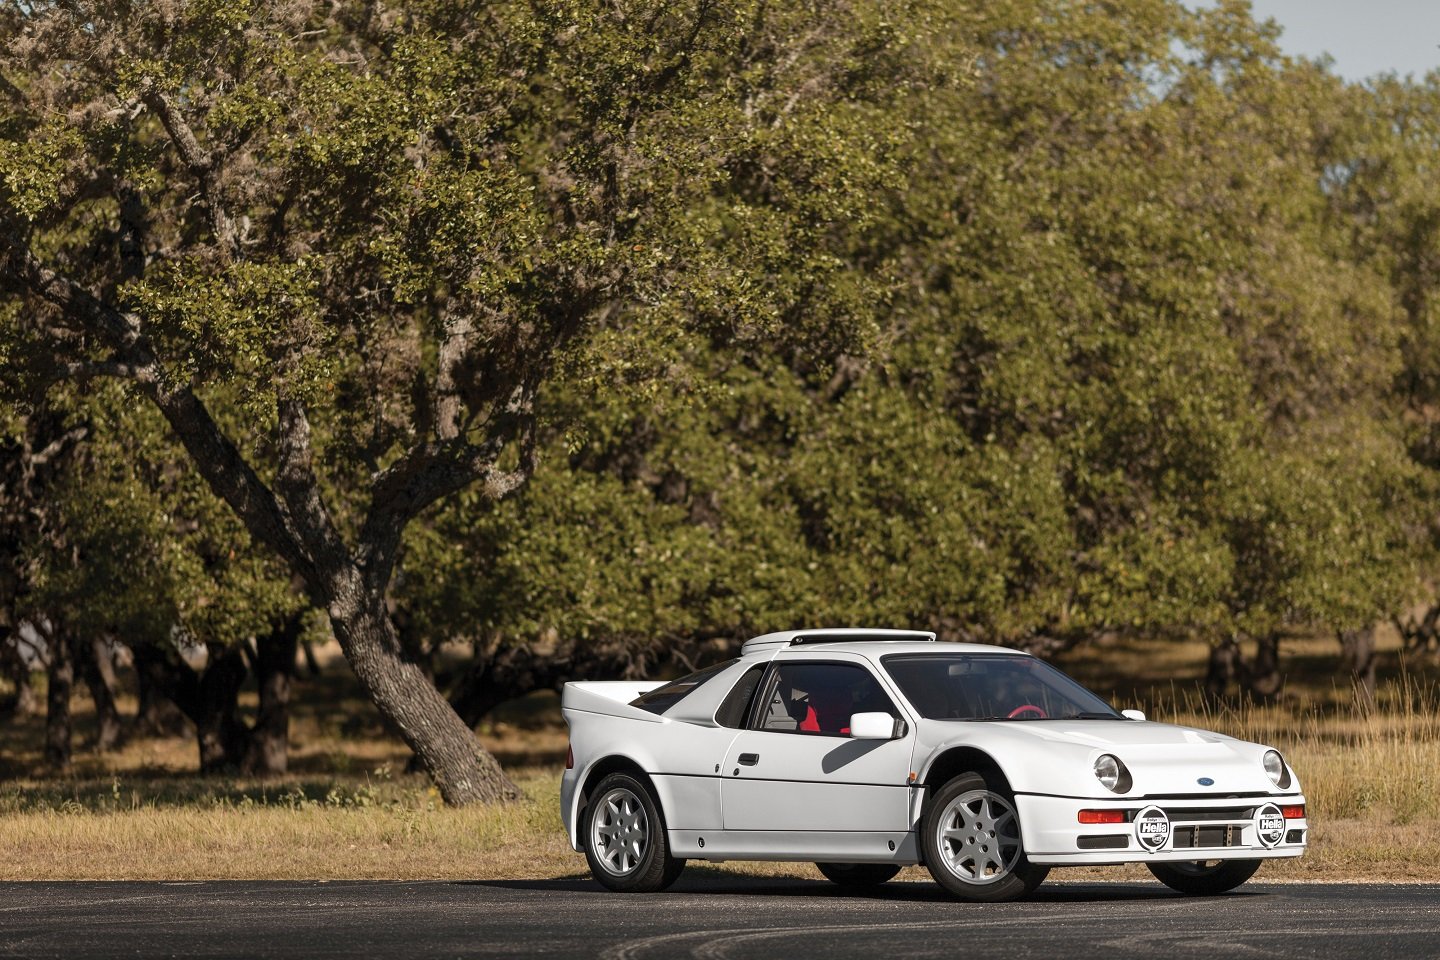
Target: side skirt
(796, 845)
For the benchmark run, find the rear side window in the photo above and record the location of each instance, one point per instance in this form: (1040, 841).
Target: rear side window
(663, 698)
(736, 708)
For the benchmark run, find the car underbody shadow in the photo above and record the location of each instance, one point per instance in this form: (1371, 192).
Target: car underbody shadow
(699, 879)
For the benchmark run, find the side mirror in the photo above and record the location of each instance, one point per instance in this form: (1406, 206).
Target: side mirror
(1133, 714)
(876, 726)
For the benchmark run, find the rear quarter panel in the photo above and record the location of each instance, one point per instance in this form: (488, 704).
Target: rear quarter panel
(681, 760)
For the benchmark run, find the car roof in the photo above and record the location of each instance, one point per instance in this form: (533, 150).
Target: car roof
(876, 650)
(866, 642)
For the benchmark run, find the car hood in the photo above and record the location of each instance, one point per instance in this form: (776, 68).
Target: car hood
(1057, 756)
(1114, 733)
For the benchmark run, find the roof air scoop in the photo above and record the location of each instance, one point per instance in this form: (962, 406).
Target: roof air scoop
(789, 638)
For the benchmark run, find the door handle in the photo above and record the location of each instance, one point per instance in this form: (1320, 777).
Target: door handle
(749, 759)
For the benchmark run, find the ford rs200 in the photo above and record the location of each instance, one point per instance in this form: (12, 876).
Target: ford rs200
(865, 751)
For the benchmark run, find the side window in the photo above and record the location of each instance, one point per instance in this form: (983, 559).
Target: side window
(736, 707)
(663, 698)
(820, 698)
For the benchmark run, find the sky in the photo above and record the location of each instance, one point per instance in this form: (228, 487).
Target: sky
(1365, 37)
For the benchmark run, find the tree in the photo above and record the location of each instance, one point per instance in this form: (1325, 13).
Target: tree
(341, 248)
(1132, 379)
(1379, 180)
(35, 454)
(142, 555)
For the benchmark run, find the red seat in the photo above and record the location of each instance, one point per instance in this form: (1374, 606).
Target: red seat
(828, 711)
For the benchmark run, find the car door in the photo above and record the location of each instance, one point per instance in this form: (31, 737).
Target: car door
(796, 768)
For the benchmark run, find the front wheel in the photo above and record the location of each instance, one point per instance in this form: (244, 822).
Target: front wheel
(1204, 878)
(625, 841)
(973, 846)
(858, 874)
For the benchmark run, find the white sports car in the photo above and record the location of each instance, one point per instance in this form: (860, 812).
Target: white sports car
(867, 750)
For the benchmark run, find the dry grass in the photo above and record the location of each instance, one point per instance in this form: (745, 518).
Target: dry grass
(1354, 765)
(347, 812)
(354, 829)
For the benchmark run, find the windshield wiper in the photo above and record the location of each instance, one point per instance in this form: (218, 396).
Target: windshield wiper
(1094, 716)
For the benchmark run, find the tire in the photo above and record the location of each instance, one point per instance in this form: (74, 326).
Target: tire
(973, 844)
(858, 874)
(624, 837)
(1204, 878)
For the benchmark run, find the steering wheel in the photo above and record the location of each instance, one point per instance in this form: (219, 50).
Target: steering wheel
(1028, 708)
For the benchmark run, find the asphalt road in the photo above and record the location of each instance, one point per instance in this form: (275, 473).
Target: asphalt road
(710, 915)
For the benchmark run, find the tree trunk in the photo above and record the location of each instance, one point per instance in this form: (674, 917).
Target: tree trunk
(1358, 652)
(1223, 669)
(1421, 634)
(223, 738)
(209, 699)
(312, 666)
(156, 715)
(491, 681)
(514, 671)
(1263, 677)
(57, 701)
(275, 672)
(462, 770)
(97, 666)
(25, 703)
(412, 646)
(352, 593)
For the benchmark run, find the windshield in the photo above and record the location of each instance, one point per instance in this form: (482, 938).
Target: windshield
(992, 686)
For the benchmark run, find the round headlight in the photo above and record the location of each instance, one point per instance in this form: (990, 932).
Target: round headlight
(1107, 771)
(1274, 765)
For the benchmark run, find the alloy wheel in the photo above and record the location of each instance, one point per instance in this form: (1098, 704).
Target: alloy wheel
(979, 837)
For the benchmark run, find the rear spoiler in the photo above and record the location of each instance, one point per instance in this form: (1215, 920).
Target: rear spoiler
(608, 697)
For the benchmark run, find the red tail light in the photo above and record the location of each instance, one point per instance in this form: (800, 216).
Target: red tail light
(1101, 816)
(569, 757)
(1296, 812)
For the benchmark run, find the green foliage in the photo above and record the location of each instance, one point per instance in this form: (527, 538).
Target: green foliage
(34, 166)
(142, 551)
(1029, 321)
(255, 328)
(1128, 373)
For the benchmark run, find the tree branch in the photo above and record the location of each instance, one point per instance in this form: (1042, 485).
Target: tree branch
(77, 303)
(10, 90)
(499, 484)
(459, 332)
(429, 472)
(57, 446)
(300, 489)
(132, 231)
(226, 471)
(202, 164)
(89, 369)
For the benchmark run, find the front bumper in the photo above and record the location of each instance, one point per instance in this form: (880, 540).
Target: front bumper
(1205, 828)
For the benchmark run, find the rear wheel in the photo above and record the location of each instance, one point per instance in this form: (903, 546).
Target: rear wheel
(858, 874)
(1204, 878)
(625, 841)
(972, 840)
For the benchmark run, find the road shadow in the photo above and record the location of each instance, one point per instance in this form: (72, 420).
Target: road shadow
(707, 880)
